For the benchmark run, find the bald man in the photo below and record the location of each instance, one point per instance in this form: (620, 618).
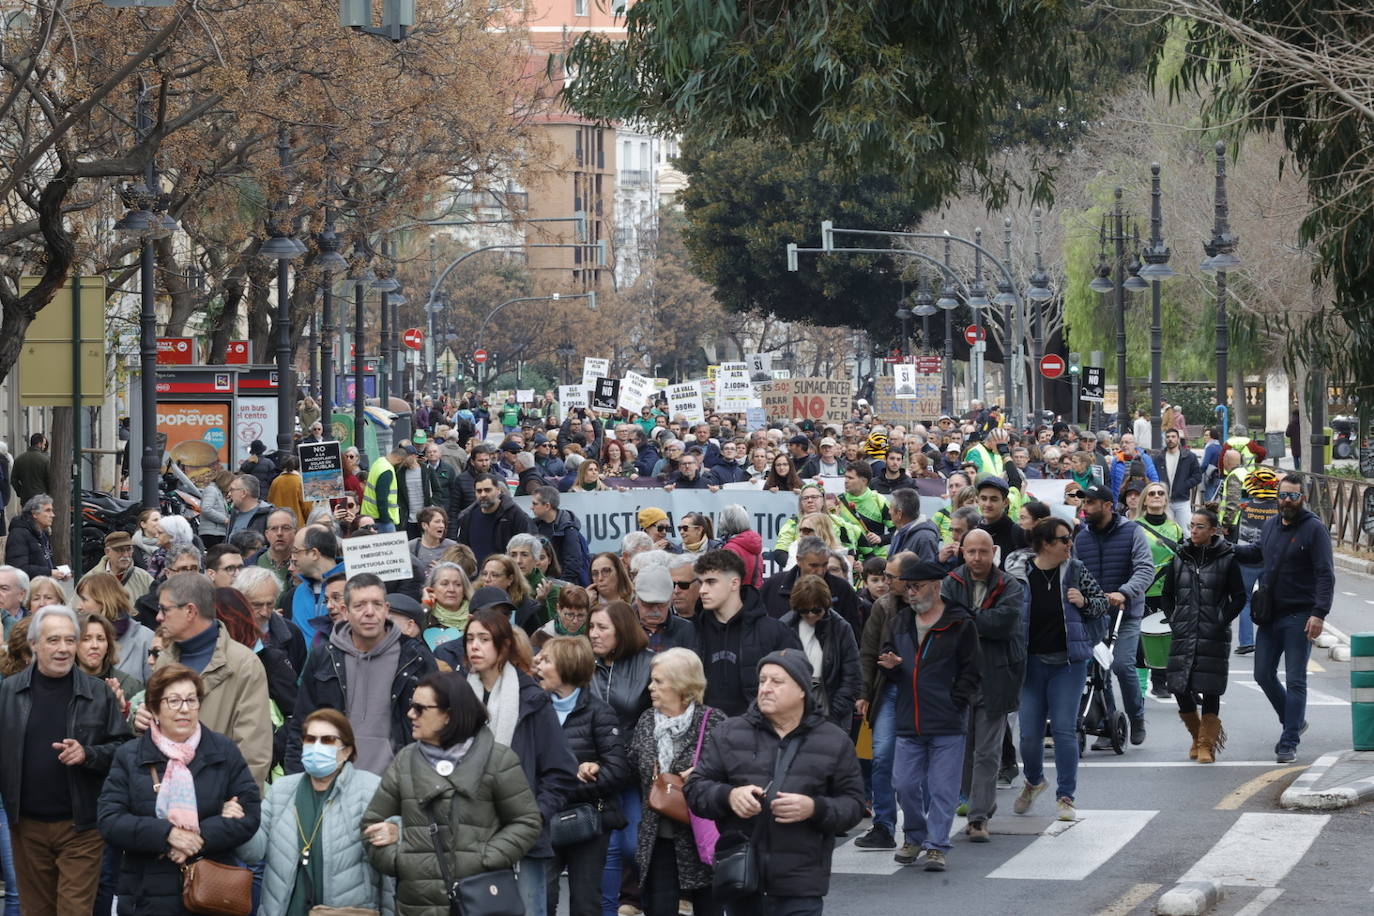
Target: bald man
(995, 601)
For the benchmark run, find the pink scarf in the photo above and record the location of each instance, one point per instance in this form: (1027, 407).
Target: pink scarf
(176, 798)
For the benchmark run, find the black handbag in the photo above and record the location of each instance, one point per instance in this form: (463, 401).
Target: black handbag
(736, 872)
(488, 893)
(577, 824)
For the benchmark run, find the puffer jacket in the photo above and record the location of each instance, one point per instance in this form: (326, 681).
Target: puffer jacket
(93, 718)
(547, 762)
(1203, 593)
(485, 810)
(743, 751)
(594, 736)
(28, 548)
(748, 546)
(349, 878)
(692, 873)
(624, 686)
(150, 883)
(840, 675)
(1001, 639)
(1119, 560)
(938, 677)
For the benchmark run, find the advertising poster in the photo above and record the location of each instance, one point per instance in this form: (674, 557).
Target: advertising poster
(257, 419)
(197, 437)
(321, 470)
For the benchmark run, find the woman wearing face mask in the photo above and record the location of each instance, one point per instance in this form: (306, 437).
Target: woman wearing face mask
(308, 837)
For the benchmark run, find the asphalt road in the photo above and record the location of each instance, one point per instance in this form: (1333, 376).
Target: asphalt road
(1150, 818)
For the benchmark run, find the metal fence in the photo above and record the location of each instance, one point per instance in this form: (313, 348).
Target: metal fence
(1346, 504)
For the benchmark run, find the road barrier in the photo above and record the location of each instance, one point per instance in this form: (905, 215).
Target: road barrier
(1362, 690)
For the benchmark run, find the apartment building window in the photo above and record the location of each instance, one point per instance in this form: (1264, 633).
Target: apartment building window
(601, 149)
(579, 7)
(578, 145)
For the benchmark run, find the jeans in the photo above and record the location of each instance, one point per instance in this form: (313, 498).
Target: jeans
(884, 749)
(1182, 513)
(385, 527)
(660, 889)
(110, 865)
(1248, 574)
(583, 861)
(534, 885)
(620, 851)
(1286, 636)
(926, 776)
(986, 730)
(1123, 666)
(1052, 692)
(7, 863)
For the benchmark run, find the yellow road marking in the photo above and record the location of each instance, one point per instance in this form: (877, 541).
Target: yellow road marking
(1247, 790)
(1313, 667)
(1128, 901)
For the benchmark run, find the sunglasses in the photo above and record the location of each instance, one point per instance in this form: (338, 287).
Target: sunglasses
(1289, 496)
(813, 611)
(1063, 539)
(684, 585)
(663, 528)
(420, 708)
(1077, 494)
(326, 740)
(687, 527)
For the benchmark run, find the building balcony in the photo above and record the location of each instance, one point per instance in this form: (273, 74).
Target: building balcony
(634, 178)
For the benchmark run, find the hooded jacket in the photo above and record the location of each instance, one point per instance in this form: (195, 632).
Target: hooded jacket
(1297, 564)
(748, 546)
(794, 859)
(938, 677)
(840, 678)
(565, 534)
(1001, 638)
(324, 683)
(1203, 592)
(485, 810)
(730, 652)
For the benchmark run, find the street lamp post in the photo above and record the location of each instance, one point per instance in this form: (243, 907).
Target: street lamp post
(282, 248)
(948, 303)
(1011, 332)
(1220, 259)
(925, 307)
(566, 350)
(1119, 288)
(977, 301)
(331, 263)
(1156, 269)
(362, 277)
(1039, 293)
(904, 316)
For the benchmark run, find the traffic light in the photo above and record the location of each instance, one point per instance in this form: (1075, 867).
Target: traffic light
(1075, 364)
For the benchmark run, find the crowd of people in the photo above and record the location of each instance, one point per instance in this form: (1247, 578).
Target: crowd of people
(686, 722)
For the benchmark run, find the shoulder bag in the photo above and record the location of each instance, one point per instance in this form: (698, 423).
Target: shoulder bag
(577, 824)
(1262, 611)
(704, 831)
(665, 793)
(212, 888)
(488, 893)
(736, 872)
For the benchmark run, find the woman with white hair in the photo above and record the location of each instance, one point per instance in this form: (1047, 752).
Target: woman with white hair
(29, 547)
(176, 533)
(737, 536)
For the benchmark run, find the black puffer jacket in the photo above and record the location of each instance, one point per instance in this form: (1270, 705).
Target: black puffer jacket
(1203, 593)
(840, 674)
(743, 751)
(545, 758)
(149, 882)
(28, 548)
(594, 736)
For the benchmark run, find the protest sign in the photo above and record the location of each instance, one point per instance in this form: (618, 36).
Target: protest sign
(760, 367)
(822, 399)
(321, 470)
(685, 401)
(524, 395)
(904, 380)
(920, 407)
(609, 516)
(385, 555)
(734, 391)
(571, 397)
(606, 394)
(593, 369)
(635, 391)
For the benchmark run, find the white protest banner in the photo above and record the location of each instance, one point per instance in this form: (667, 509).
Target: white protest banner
(571, 397)
(524, 395)
(385, 555)
(593, 369)
(760, 367)
(733, 391)
(635, 391)
(607, 516)
(685, 400)
(904, 381)
(321, 470)
(733, 367)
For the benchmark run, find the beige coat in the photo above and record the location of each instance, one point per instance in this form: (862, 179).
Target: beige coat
(235, 703)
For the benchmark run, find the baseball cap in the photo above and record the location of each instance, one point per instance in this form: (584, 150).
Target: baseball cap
(510, 445)
(420, 438)
(828, 441)
(401, 603)
(654, 585)
(953, 447)
(1098, 492)
(489, 597)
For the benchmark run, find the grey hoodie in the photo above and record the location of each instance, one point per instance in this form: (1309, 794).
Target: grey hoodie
(367, 694)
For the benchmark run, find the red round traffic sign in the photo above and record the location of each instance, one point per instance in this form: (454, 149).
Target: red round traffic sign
(479, 356)
(414, 338)
(974, 333)
(1052, 365)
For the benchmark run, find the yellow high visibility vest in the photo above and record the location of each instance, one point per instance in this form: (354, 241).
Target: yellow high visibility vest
(374, 473)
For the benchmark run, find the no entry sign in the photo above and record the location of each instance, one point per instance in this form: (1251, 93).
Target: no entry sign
(974, 333)
(1052, 365)
(479, 356)
(414, 338)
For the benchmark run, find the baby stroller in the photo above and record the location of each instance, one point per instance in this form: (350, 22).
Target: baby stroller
(1097, 712)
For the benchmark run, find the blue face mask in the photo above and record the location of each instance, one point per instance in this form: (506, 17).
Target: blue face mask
(319, 760)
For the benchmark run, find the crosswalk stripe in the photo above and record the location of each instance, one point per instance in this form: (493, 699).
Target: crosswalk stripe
(1258, 850)
(1076, 853)
(1314, 697)
(1261, 902)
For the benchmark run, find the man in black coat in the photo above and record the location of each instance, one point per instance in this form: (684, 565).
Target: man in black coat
(49, 777)
(783, 776)
(1181, 472)
(812, 555)
(463, 492)
(993, 503)
(734, 632)
(488, 524)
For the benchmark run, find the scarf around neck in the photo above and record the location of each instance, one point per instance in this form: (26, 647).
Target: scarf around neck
(434, 754)
(503, 706)
(176, 796)
(667, 731)
(457, 619)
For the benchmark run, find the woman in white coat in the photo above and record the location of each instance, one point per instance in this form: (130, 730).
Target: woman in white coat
(309, 836)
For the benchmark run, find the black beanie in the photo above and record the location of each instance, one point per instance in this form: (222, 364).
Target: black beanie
(795, 663)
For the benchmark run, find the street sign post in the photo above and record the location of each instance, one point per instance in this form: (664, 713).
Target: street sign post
(414, 338)
(1052, 365)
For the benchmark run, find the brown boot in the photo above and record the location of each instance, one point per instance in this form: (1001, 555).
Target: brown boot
(1211, 739)
(1193, 721)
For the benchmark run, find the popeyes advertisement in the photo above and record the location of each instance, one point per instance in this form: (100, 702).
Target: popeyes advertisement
(197, 437)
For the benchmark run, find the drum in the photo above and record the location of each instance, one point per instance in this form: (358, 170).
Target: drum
(1155, 639)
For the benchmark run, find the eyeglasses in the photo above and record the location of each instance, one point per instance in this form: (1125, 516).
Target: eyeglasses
(1290, 496)
(168, 608)
(684, 585)
(419, 708)
(326, 740)
(235, 569)
(181, 702)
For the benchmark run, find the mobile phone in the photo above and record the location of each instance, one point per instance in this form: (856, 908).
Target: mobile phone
(336, 503)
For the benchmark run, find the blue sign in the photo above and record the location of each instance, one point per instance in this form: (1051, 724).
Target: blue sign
(215, 436)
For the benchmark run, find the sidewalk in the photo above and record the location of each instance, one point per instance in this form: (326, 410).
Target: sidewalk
(1334, 781)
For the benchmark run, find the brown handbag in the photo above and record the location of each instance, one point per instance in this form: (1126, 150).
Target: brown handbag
(209, 888)
(665, 797)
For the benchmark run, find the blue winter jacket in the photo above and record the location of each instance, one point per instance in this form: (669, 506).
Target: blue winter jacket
(1119, 559)
(1084, 627)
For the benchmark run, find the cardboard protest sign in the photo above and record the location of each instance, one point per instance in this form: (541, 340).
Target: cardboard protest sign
(321, 470)
(571, 397)
(821, 399)
(635, 391)
(385, 555)
(593, 369)
(606, 394)
(685, 401)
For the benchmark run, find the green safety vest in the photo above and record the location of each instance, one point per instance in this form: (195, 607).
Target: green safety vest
(1162, 550)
